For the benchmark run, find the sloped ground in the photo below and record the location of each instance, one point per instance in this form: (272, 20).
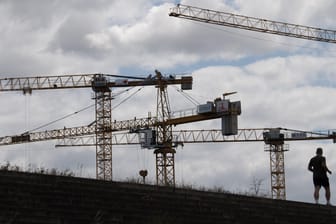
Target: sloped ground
(46, 199)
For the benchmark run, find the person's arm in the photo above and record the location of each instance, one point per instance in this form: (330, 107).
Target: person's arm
(324, 164)
(328, 171)
(310, 166)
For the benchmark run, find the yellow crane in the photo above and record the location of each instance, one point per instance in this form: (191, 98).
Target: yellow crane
(101, 85)
(161, 125)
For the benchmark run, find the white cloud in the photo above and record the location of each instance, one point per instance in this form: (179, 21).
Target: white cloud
(310, 13)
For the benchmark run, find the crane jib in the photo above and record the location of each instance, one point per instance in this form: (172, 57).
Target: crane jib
(27, 84)
(253, 24)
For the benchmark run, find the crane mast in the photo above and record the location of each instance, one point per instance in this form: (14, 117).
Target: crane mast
(164, 153)
(103, 122)
(252, 23)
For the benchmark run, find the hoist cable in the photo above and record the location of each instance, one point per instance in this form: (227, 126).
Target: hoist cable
(187, 96)
(127, 98)
(61, 118)
(81, 110)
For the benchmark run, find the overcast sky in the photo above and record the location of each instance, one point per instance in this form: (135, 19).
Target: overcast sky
(281, 82)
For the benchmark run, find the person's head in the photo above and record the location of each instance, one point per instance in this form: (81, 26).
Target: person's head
(319, 151)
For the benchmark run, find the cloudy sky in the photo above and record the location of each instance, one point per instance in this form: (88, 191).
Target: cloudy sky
(281, 82)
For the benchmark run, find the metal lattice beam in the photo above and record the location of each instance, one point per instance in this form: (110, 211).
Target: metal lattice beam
(277, 167)
(27, 84)
(103, 124)
(103, 136)
(252, 23)
(83, 136)
(165, 167)
(164, 154)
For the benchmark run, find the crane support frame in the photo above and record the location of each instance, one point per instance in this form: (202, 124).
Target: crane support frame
(277, 168)
(103, 100)
(164, 153)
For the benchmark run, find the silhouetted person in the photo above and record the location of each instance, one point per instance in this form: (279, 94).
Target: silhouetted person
(318, 166)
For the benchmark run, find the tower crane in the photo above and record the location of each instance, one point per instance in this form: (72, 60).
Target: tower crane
(101, 85)
(274, 139)
(160, 126)
(265, 26)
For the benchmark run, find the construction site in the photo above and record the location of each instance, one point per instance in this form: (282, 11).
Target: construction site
(159, 191)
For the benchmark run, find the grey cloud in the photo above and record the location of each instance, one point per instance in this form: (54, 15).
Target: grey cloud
(164, 38)
(40, 14)
(70, 38)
